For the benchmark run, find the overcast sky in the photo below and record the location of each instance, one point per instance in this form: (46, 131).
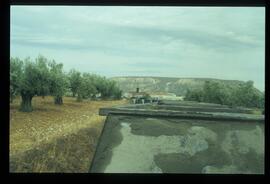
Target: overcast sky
(208, 42)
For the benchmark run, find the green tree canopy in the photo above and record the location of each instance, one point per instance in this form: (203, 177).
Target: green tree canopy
(213, 92)
(35, 80)
(87, 87)
(43, 77)
(58, 82)
(75, 79)
(40, 77)
(15, 76)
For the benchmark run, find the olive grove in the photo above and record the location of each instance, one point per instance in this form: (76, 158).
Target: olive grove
(43, 77)
(244, 95)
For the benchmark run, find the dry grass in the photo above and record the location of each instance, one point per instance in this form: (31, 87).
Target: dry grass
(55, 138)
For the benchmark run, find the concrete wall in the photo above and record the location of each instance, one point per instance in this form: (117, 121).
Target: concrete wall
(137, 144)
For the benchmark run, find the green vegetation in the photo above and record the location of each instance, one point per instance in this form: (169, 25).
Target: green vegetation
(91, 86)
(29, 79)
(244, 95)
(15, 76)
(58, 82)
(178, 86)
(44, 77)
(75, 80)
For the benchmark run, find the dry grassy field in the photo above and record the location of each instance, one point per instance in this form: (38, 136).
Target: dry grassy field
(55, 138)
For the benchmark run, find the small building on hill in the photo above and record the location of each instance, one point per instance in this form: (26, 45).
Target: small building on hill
(139, 97)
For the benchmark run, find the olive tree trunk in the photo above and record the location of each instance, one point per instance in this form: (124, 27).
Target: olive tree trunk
(58, 100)
(79, 98)
(26, 104)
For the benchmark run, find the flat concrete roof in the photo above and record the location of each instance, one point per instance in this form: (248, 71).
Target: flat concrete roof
(180, 137)
(185, 110)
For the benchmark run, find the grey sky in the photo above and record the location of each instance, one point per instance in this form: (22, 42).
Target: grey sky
(212, 42)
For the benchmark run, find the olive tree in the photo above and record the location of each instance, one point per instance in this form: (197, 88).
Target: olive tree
(86, 88)
(58, 82)
(113, 90)
(247, 96)
(194, 95)
(92, 84)
(214, 92)
(74, 81)
(15, 75)
(244, 95)
(107, 88)
(100, 84)
(117, 93)
(35, 80)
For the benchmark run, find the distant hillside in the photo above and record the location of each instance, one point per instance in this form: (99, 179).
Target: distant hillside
(179, 86)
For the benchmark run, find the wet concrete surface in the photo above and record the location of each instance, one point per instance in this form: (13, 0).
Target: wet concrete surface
(131, 144)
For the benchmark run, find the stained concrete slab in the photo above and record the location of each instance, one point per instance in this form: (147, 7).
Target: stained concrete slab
(180, 137)
(137, 144)
(182, 114)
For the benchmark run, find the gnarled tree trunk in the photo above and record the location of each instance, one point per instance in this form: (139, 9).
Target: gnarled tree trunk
(58, 100)
(26, 104)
